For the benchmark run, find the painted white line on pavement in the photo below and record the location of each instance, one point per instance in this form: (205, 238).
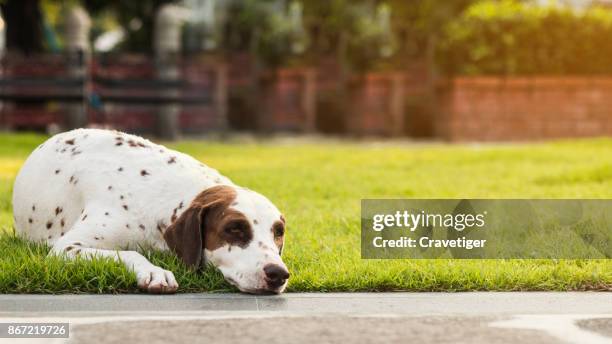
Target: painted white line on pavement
(562, 327)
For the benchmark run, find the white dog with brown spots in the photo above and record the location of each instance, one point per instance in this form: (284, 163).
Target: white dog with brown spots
(91, 192)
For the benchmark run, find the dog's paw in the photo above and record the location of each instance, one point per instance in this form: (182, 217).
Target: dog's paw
(156, 280)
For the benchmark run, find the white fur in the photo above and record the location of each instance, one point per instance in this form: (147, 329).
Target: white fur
(85, 178)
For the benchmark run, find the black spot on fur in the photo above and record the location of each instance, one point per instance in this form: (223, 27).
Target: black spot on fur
(76, 153)
(172, 160)
(120, 169)
(62, 234)
(30, 220)
(106, 213)
(84, 217)
(71, 179)
(118, 143)
(127, 226)
(121, 197)
(58, 210)
(142, 227)
(110, 187)
(57, 171)
(144, 173)
(125, 207)
(33, 207)
(180, 205)
(255, 221)
(69, 248)
(49, 237)
(49, 225)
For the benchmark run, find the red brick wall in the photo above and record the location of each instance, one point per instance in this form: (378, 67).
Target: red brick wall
(515, 109)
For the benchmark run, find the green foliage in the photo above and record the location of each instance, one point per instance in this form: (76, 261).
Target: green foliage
(318, 186)
(514, 38)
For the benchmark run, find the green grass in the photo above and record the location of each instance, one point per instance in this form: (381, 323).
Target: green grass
(319, 186)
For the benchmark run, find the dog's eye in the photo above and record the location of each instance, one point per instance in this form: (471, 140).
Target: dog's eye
(235, 229)
(279, 230)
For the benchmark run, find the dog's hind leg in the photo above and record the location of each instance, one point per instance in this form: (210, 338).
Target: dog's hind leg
(84, 240)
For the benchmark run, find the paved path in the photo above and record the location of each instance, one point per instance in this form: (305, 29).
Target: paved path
(336, 318)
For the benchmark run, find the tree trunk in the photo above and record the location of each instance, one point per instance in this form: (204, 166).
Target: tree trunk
(24, 27)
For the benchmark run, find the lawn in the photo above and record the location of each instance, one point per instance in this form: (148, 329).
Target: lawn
(319, 185)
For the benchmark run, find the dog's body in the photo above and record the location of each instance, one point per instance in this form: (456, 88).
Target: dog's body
(97, 191)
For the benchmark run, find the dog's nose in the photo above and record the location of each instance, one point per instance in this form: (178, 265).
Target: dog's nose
(276, 275)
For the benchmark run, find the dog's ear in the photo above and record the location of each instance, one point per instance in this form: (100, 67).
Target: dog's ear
(185, 237)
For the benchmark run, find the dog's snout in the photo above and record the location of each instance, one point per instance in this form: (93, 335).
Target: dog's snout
(276, 275)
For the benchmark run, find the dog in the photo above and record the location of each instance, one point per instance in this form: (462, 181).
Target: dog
(93, 192)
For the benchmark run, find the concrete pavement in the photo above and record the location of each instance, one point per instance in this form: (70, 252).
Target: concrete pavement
(477, 317)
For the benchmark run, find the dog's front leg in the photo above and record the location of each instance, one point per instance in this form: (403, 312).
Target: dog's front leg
(149, 277)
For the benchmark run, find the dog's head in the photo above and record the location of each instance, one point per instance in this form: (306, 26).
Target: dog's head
(237, 230)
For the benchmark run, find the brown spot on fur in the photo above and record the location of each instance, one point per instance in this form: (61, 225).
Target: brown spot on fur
(62, 222)
(118, 143)
(77, 243)
(49, 225)
(62, 234)
(70, 142)
(58, 210)
(71, 179)
(255, 221)
(125, 207)
(140, 144)
(141, 227)
(173, 218)
(144, 173)
(172, 160)
(127, 226)
(180, 205)
(132, 143)
(69, 248)
(33, 207)
(49, 237)
(30, 220)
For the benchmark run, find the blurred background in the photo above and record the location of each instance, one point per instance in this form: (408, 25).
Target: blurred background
(456, 70)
